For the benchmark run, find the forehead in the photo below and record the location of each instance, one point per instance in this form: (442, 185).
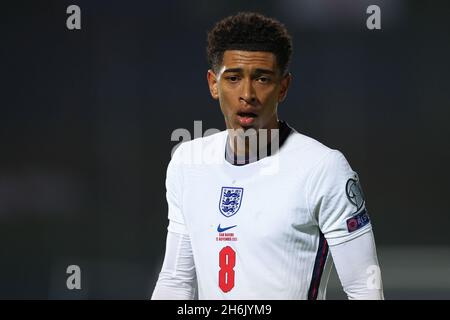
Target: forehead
(249, 59)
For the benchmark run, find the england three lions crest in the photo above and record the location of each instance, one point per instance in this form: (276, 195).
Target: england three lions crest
(230, 200)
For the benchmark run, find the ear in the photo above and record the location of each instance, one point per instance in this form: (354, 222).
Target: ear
(285, 83)
(212, 83)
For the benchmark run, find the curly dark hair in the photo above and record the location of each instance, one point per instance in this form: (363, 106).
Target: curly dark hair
(249, 31)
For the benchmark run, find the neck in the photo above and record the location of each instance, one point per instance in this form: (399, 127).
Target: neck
(251, 144)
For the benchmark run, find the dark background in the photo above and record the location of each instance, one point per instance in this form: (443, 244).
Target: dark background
(87, 116)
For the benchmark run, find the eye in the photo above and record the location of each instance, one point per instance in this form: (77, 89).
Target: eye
(263, 79)
(233, 78)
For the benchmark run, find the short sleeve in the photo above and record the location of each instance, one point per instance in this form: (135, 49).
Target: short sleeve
(336, 200)
(174, 189)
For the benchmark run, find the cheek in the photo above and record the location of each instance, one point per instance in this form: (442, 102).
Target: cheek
(269, 98)
(225, 100)
(224, 105)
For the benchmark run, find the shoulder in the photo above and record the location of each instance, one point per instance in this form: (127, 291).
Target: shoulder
(309, 151)
(312, 157)
(190, 152)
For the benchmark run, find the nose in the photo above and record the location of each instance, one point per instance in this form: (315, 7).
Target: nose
(248, 93)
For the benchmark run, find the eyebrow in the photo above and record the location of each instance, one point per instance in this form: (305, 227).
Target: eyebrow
(257, 71)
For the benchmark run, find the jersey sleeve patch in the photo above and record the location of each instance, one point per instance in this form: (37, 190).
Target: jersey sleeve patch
(358, 221)
(354, 193)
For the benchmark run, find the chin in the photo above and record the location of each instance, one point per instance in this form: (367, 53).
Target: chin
(240, 126)
(247, 129)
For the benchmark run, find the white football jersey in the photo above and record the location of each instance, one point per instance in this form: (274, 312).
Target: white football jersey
(262, 230)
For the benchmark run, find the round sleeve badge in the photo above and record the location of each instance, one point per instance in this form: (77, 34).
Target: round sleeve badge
(354, 193)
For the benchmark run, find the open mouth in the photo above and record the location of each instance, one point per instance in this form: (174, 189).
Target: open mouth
(246, 118)
(247, 114)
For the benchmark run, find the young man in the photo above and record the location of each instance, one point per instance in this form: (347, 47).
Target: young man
(257, 217)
